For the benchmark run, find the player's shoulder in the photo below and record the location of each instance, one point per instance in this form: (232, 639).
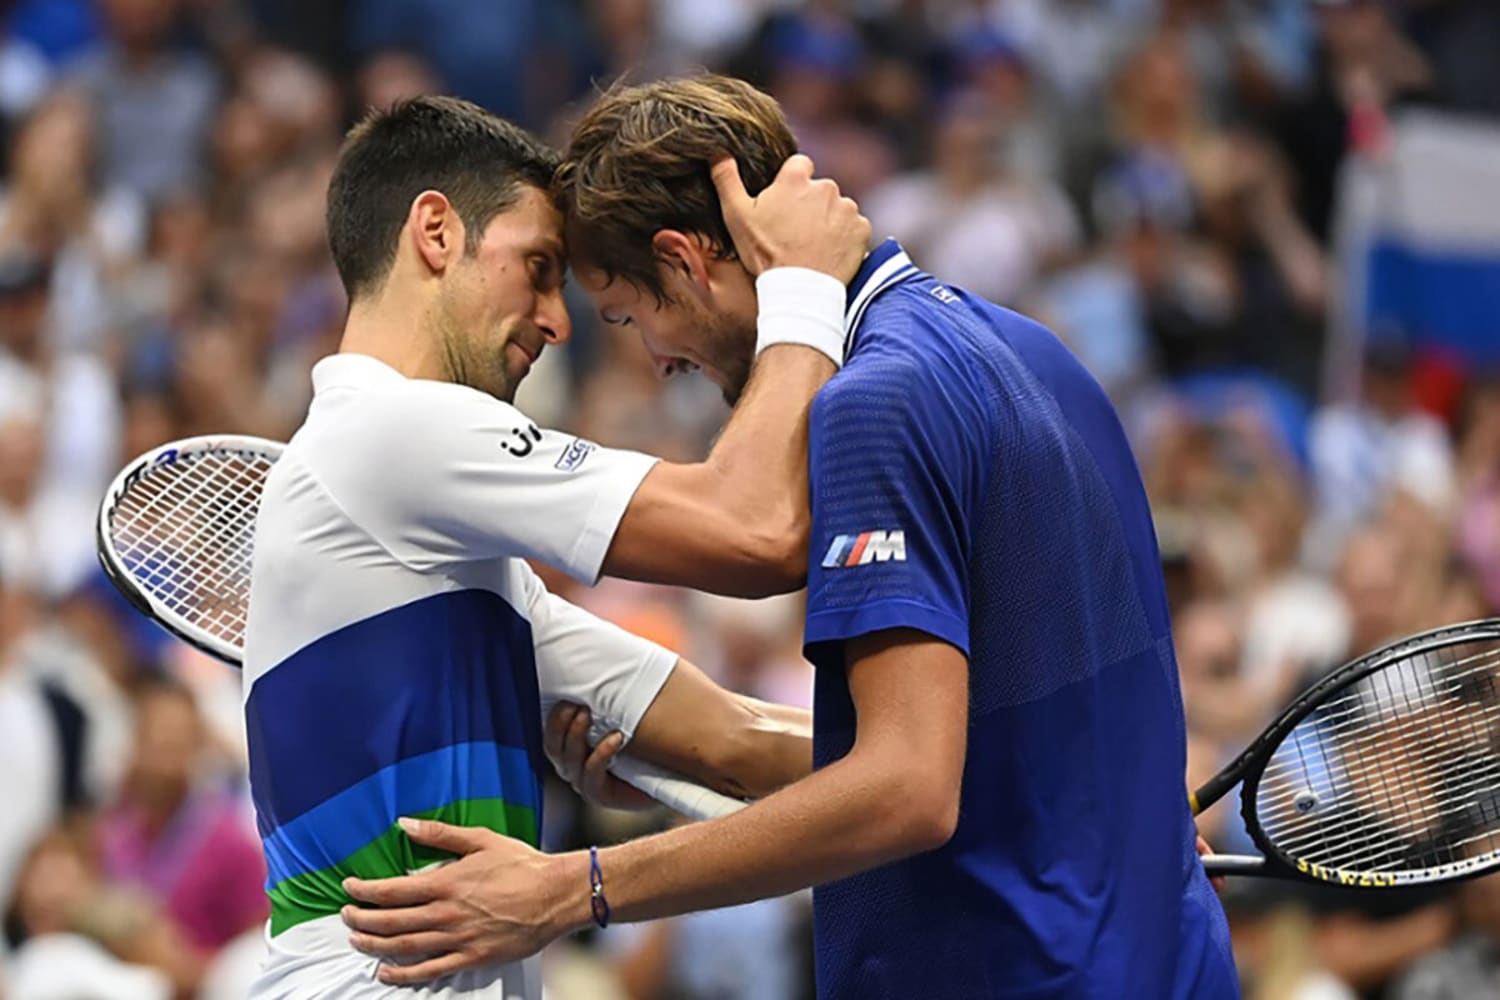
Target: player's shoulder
(411, 420)
(907, 354)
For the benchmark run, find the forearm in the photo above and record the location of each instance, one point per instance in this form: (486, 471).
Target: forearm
(757, 470)
(794, 718)
(845, 818)
(775, 751)
(749, 755)
(737, 523)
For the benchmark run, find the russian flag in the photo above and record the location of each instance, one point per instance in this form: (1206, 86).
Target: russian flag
(1428, 219)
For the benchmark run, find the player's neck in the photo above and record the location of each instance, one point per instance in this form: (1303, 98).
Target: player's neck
(392, 330)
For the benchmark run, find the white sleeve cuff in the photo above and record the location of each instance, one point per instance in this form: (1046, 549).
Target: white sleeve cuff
(801, 306)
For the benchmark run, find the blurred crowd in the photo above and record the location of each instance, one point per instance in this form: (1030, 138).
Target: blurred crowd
(1159, 180)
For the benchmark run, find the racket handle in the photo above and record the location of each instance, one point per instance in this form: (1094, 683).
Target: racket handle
(673, 790)
(1233, 864)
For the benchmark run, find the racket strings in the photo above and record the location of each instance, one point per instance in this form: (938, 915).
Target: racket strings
(1396, 772)
(185, 531)
(1427, 761)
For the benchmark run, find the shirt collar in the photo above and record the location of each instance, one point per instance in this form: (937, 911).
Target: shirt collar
(351, 369)
(886, 265)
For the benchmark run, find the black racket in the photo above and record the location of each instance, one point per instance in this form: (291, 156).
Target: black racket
(1385, 773)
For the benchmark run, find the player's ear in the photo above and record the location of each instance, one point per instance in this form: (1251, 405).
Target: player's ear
(682, 260)
(436, 231)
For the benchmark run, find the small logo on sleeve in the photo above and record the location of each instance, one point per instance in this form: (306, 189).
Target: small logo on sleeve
(865, 548)
(574, 454)
(522, 440)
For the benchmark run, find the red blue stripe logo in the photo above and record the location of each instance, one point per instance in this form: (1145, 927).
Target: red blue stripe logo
(864, 548)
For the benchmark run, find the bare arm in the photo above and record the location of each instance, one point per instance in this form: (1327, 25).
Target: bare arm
(895, 794)
(733, 744)
(737, 523)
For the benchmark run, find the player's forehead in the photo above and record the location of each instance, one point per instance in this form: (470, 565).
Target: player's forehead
(610, 294)
(532, 224)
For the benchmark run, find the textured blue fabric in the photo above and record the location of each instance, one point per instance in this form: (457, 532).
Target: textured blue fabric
(1011, 523)
(455, 670)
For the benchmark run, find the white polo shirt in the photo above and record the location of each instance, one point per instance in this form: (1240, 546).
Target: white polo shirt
(400, 655)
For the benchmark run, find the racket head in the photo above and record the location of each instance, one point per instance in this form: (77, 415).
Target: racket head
(175, 536)
(1387, 772)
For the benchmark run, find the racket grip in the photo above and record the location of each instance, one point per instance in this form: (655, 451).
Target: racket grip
(1233, 864)
(673, 790)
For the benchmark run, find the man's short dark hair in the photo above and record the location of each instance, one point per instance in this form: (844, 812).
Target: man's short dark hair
(478, 160)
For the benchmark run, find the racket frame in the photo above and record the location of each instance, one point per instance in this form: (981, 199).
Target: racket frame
(114, 566)
(1250, 766)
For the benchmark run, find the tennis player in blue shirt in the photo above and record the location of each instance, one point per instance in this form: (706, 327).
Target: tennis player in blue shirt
(997, 807)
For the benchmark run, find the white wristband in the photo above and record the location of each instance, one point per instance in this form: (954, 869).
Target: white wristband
(801, 306)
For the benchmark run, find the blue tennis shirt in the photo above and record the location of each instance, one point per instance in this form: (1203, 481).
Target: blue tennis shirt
(971, 480)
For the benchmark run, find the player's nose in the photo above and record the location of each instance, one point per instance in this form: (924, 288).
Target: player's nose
(553, 320)
(663, 364)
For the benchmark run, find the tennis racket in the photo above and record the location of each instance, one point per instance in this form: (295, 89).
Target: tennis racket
(176, 532)
(1386, 773)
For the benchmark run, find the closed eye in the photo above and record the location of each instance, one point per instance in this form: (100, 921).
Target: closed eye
(547, 273)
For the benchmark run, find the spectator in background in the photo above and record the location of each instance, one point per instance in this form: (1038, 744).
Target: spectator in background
(985, 227)
(52, 209)
(759, 950)
(1028, 131)
(393, 75)
(177, 833)
(1469, 967)
(30, 755)
(1276, 271)
(1459, 39)
(520, 59)
(155, 101)
(79, 940)
(38, 545)
(1478, 519)
(814, 58)
(1074, 43)
(755, 646)
(1376, 587)
(1364, 450)
(1362, 66)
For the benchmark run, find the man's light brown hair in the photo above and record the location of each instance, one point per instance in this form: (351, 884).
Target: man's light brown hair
(639, 163)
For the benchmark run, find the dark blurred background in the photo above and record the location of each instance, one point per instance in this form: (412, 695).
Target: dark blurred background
(1270, 227)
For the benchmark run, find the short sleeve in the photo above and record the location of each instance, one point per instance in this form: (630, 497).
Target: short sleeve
(588, 661)
(893, 471)
(442, 474)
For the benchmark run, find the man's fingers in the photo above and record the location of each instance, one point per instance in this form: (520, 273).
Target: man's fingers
(404, 920)
(406, 945)
(404, 890)
(576, 746)
(558, 721)
(445, 836)
(411, 975)
(796, 165)
(733, 197)
(596, 769)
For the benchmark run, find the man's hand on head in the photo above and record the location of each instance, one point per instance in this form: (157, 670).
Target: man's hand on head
(797, 221)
